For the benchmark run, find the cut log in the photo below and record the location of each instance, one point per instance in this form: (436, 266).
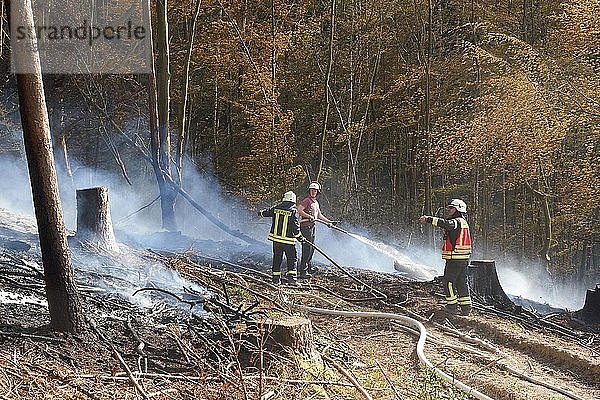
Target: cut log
(485, 286)
(289, 334)
(591, 308)
(93, 218)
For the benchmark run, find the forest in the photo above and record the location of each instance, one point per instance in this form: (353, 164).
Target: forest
(394, 106)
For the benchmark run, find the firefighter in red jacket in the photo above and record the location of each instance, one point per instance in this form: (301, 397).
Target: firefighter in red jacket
(285, 230)
(456, 250)
(309, 212)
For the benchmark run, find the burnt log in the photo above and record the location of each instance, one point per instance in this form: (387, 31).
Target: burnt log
(289, 334)
(93, 218)
(485, 286)
(591, 308)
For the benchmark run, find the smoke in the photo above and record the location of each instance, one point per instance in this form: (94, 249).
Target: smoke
(130, 271)
(362, 251)
(531, 281)
(15, 191)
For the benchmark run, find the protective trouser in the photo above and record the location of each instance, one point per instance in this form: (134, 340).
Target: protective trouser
(291, 257)
(307, 250)
(455, 284)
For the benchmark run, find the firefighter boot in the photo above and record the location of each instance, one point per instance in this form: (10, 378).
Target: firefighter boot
(451, 308)
(303, 274)
(291, 278)
(465, 310)
(276, 279)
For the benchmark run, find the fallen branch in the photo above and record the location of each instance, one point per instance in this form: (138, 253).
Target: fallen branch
(211, 217)
(28, 336)
(347, 374)
(118, 356)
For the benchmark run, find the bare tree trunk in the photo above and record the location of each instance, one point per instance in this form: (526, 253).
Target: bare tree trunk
(504, 218)
(327, 95)
(57, 134)
(428, 195)
(1, 28)
(363, 122)
(216, 115)
(185, 94)
(63, 299)
(273, 78)
(544, 253)
(160, 141)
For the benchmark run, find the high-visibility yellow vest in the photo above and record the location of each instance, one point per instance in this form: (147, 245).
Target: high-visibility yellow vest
(284, 226)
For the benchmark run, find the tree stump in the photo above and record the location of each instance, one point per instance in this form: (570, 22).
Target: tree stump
(591, 308)
(289, 334)
(93, 218)
(484, 283)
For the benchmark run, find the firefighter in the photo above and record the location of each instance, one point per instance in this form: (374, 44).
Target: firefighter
(285, 230)
(310, 212)
(456, 250)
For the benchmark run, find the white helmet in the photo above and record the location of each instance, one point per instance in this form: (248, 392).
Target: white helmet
(314, 185)
(460, 205)
(289, 196)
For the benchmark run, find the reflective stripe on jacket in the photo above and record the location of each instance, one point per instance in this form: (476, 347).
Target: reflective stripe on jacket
(284, 223)
(457, 241)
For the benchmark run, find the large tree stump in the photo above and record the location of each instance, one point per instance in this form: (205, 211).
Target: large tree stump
(289, 334)
(485, 285)
(93, 218)
(591, 308)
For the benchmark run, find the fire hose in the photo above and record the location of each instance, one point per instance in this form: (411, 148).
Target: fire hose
(407, 321)
(380, 295)
(337, 228)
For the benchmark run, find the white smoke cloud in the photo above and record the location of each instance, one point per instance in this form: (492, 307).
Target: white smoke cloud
(363, 251)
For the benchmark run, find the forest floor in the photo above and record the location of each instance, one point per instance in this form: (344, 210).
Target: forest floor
(173, 340)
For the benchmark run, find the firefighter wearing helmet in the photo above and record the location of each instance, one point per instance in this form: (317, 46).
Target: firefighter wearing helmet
(456, 250)
(310, 212)
(285, 230)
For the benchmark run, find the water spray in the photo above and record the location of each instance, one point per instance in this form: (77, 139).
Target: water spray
(379, 295)
(402, 263)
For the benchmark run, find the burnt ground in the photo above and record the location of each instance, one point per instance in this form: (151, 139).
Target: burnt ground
(176, 341)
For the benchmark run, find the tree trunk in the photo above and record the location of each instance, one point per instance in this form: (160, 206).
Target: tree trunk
(160, 141)
(486, 286)
(93, 218)
(63, 299)
(327, 94)
(428, 208)
(57, 134)
(185, 94)
(544, 253)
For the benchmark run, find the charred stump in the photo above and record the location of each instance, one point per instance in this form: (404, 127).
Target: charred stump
(289, 334)
(93, 218)
(485, 285)
(591, 308)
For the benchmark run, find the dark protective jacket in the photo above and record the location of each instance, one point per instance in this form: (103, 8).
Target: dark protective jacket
(457, 237)
(285, 227)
